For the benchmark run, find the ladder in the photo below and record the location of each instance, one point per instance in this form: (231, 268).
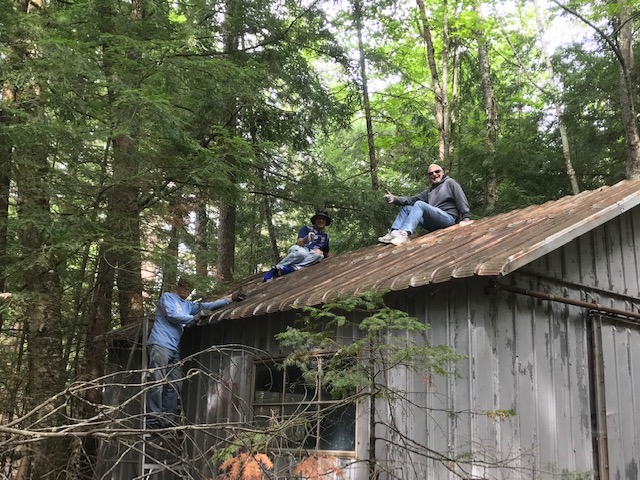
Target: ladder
(151, 452)
(149, 463)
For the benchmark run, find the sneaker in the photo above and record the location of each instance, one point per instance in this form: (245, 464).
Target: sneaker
(400, 238)
(388, 237)
(153, 424)
(274, 272)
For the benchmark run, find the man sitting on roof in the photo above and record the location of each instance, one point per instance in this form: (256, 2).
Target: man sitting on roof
(173, 314)
(442, 205)
(311, 247)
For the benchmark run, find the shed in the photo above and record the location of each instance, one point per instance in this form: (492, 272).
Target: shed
(543, 302)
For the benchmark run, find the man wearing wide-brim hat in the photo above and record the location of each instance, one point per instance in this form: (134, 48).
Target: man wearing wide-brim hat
(311, 247)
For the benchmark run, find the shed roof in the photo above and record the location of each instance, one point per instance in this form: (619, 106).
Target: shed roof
(493, 246)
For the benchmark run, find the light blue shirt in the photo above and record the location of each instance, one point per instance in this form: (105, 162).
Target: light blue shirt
(172, 315)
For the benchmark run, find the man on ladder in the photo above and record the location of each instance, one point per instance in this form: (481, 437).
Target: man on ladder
(173, 313)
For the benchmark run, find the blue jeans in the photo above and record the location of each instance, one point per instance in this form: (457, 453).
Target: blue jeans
(166, 375)
(421, 213)
(299, 257)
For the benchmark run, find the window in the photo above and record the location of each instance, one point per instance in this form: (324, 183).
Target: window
(305, 415)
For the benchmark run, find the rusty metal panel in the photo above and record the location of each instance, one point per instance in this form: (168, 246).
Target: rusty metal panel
(493, 246)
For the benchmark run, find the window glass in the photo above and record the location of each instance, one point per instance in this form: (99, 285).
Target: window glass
(302, 431)
(338, 428)
(262, 415)
(283, 397)
(297, 388)
(268, 384)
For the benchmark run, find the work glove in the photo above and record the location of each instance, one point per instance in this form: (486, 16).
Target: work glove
(390, 197)
(238, 296)
(196, 319)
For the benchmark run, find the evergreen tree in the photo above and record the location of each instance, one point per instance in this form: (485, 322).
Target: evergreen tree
(389, 341)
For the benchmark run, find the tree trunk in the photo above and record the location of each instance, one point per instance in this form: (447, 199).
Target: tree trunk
(99, 323)
(6, 147)
(226, 240)
(491, 113)
(100, 319)
(14, 392)
(266, 214)
(200, 241)
(373, 163)
(170, 264)
(125, 213)
(83, 282)
(123, 209)
(453, 111)
(119, 260)
(446, 119)
(440, 94)
(227, 220)
(46, 372)
(119, 254)
(45, 375)
(268, 218)
(559, 108)
(628, 98)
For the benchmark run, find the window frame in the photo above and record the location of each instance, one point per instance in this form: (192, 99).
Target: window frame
(315, 402)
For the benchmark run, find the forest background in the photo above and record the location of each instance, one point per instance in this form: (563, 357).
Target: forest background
(142, 138)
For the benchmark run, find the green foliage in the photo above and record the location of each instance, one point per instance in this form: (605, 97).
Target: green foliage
(387, 338)
(299, 140)
(242, 442)
(592, 115)
(274, 122)
(499, 414)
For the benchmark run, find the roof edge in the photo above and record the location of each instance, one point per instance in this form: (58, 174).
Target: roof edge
(561, 238)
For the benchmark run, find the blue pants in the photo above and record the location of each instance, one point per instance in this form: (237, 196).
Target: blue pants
(421, 213)
(166, 376)
(299, 257)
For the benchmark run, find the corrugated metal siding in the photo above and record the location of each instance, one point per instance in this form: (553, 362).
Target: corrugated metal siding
(604, 261)
(124, 362)
(622, 376)
(214, 394)
(523, 356)
(532, 356)
(238, 355)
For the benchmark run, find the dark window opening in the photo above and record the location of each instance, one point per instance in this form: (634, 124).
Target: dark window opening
(284, 401)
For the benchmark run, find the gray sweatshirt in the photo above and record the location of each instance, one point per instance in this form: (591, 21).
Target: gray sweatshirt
(446, 195)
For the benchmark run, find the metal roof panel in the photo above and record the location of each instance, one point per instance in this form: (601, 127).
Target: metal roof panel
(492, 246)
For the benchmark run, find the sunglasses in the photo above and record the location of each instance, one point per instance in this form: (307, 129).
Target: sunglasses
(435, 172)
